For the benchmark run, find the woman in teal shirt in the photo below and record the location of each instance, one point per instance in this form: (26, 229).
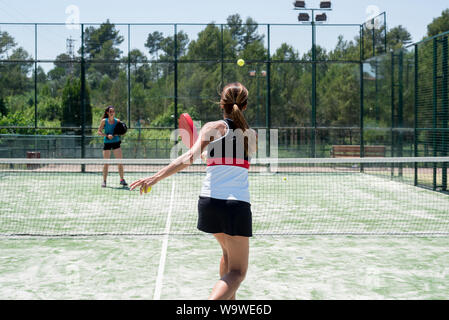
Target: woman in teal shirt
(111, 142)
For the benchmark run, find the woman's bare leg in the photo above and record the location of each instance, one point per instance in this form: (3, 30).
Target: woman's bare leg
(106, 155)
(119, 155)
(224, 258)
(237, 253)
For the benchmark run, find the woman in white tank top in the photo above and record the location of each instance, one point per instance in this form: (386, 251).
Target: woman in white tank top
(224, 208)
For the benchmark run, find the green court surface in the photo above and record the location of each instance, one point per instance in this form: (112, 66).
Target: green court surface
(286, 267)
(319, 233)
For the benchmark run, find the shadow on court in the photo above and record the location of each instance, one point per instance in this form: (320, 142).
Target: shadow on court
(119, 188)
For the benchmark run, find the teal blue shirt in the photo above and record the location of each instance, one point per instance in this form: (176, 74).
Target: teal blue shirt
(109, 129)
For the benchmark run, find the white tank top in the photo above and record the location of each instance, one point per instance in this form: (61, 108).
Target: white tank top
(227, 172)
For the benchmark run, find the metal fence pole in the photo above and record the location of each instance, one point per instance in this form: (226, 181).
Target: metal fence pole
(314, 126)
(129, 75)
(222, 57)
(385, 32)
(362, 93)
(393, 107)
(362, 111)
(400, 119)
(374, 36)
(35, 78)
(83, 99)
(176, 77)
(434, 108)
(415, 110)
(377, 90)
(268, 102)
(445, 110)
(362, 44)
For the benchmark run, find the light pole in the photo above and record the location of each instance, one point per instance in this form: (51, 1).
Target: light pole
(304, 17)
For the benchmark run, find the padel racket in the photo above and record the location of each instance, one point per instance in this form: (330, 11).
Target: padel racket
(188, 131)
(120, 129)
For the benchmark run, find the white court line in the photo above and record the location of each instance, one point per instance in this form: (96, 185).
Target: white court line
(160, 272)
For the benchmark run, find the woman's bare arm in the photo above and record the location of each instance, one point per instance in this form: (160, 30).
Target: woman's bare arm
(100, 129)
(182, 162)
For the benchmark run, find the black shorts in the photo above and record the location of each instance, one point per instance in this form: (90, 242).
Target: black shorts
(225, 216)
(112, 146)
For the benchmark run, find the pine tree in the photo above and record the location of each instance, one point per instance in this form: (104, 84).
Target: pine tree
(72, 108)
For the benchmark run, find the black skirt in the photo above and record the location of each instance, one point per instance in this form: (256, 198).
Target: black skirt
(232, 217)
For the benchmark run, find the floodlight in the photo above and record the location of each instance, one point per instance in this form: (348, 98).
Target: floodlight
(299, 4)
(321, 17)
(325, 5)
(303, 17)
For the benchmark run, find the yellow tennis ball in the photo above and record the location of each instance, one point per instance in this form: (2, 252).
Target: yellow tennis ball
(147, 189)
(241, 62)
(284, 178)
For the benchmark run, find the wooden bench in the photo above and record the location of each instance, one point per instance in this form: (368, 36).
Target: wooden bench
(354, 151)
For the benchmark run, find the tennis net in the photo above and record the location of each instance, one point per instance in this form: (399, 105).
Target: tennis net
(369, 196)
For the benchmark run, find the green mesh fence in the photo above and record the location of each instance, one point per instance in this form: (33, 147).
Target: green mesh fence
(345, 90)
(432, 111)
(406, 104)
(152, 73)
(375, 36)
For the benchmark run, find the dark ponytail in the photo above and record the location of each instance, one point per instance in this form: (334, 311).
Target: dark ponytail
(106, 115)
(238, 118)
(234, 100)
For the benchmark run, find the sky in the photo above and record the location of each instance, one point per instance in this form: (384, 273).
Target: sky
(411, 14)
